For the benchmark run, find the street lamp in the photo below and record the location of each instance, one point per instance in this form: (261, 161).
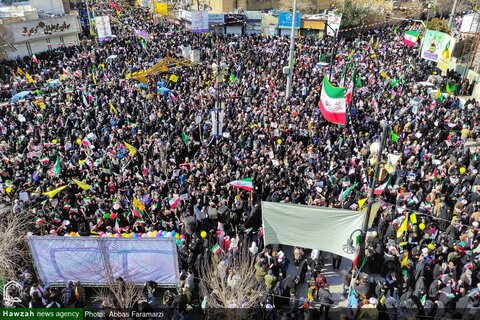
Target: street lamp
(349, 247)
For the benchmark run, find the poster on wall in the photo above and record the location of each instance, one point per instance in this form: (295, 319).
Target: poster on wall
(334, 20)
(446, 53)
(200, 21)
(432, 45)
(104, 30)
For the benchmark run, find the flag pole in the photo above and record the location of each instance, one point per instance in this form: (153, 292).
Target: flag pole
(288, 93)
(349, 106)
(376, 175)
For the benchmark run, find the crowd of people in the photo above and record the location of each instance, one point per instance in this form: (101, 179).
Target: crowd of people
(100, 154)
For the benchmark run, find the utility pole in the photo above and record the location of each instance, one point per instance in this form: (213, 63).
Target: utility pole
(288, 94)
(454, 9)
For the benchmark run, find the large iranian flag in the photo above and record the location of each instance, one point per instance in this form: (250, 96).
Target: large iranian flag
(245, 184)
(333, 103)
(410, 38)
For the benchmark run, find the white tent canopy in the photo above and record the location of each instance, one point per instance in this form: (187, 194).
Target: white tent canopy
(319, 228)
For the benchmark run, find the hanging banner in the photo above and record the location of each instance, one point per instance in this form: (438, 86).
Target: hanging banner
(334, 20)
(432, 45)
(200, 21)
(446, 53)
(104, 30)
(285, 20)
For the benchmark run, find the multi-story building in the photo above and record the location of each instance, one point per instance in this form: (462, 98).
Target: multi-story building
(34, 26)
(255, 5)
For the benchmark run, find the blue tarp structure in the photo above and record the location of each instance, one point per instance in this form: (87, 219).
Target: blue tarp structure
(20, 95)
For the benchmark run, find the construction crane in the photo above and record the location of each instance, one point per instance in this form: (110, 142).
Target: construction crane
(162, 66)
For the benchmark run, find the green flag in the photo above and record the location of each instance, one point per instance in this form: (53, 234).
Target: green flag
(394, 81)
(395, 29)
(144, 44)
(347, 192)
(451, 88)
(323, 57)
(394, 136)
(94, 68)
(184, 138)
(359, 83)
(232, 78)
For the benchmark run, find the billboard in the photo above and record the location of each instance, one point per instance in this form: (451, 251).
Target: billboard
(432, 45)
(216, 18)
(62, 259)
(285, 20)
(446, 52)
(200, 21)
(334, 20)
(104, 29)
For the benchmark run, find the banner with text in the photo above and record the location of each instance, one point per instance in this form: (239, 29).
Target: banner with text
(200, 21)
(285, 20)
(334, 20)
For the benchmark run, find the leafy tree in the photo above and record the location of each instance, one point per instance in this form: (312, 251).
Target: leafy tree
(438, 25)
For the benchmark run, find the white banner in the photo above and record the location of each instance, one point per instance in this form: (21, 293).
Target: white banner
(216, 18)
(200, 21)
(217, 122)
(62, 259)
(334, 20)
(469, 23)
(310, 227)
(104, 30)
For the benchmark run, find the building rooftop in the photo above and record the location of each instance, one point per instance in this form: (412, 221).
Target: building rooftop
(15, 11)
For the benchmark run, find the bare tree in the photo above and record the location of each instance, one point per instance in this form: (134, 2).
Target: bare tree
(5, 42)
(362, 12)
(118, 294)
(14, 252)
(230, 289)
(444, 7)
(304, 6)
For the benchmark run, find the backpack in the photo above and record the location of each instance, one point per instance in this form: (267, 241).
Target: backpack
(68, 296)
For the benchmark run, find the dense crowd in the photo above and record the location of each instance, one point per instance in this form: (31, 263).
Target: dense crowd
(123, 140)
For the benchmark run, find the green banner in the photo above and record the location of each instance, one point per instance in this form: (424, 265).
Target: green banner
(432, 45)
(45, 314)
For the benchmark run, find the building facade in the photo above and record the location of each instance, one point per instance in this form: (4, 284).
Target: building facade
(246, 5)
(38, 25)
(254, 5)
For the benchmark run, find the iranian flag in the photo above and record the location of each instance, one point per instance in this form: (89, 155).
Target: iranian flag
(245, 184)
(379, 190)
(333, 103)
(216, 249)
(35, 60)
(173, 202)
(410, 38)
